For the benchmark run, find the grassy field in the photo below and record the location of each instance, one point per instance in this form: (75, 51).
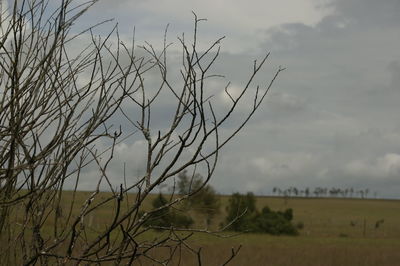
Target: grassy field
(332, 217)
(336, 232)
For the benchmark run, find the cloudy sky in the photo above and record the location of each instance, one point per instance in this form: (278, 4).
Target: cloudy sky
(332, 117)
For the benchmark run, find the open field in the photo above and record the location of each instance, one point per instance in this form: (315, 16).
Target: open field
(336, 232)
(331, 217)
(322, 217)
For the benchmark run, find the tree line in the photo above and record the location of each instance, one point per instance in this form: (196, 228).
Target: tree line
(324, 192)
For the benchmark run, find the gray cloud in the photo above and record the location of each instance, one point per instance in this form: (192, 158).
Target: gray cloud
(332, 117)
(344, 73)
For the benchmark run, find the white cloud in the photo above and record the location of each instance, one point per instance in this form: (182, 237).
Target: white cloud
(232, 92)
(382, 167)
(284, 164)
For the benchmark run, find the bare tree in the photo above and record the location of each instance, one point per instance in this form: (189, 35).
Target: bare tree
(57, 109)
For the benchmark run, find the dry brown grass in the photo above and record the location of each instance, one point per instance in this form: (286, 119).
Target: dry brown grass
(328, 238)
(297, 251)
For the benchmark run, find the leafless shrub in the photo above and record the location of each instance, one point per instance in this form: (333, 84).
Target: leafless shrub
(57, 105)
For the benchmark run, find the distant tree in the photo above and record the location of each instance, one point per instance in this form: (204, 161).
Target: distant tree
(335, 192)
(161, 215)
(188, 184)
(274, 223)
(307, 192)
(204, 199)
(243, 217)
(295, 191)
(366, 192)
(206, 202)
(164, 217)
(240, 211)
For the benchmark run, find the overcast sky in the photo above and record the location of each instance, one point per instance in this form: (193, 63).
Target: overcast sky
(332, 117)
